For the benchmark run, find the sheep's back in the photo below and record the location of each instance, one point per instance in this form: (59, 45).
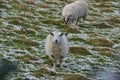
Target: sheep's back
(81, 8)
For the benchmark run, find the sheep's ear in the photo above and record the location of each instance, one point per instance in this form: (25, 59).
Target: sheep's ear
(51, 34)
(61, 34)
(65, 34)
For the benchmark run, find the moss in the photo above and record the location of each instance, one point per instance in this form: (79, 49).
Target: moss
(14, 1)
(26, 42)
(113, 19)
(3, 6)
(52, 9)
(43, 71)
(1, 2)
(27, 57)
(18, 22)
(43, 5)
(77, 39)
(20, 32)
(72, 29)
(1, 55)
(102, 25)
(8, 43)
(91, 19)
(95, 14)
(53, 21)
(1, 21)
(16, 18)
(22, 7)
(104, 50)
(44, 12)
(101, 60)
(41, 36)
(91, 33)
(107, 10)
(31, 31)
(51, 2)
(78, 50)
(30, 2)
(74, 77)
(104, 42)
(65, 76)
(19, 79)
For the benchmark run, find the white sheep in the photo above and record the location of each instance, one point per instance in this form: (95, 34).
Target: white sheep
(74, 11)
(56, 47)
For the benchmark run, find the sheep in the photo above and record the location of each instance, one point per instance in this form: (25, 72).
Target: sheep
(56, 47)
(74, 11)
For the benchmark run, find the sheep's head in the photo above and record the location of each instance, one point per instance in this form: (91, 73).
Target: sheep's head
(67, 19)
(56, 37)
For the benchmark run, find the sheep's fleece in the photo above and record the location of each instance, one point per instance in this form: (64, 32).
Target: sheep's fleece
(56, 46)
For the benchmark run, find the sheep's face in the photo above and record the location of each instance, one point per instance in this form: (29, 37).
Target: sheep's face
(67, 19)
(57, 36)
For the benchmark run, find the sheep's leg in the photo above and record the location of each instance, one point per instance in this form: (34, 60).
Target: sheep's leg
(61, 64)
(84, 17)
(77, 21)
(83, 21)
(71, 20)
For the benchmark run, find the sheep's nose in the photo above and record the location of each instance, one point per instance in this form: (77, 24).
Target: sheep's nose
(56, 41)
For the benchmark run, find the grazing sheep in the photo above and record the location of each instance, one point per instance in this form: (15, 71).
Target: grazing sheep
(56, 47)
(74, 11)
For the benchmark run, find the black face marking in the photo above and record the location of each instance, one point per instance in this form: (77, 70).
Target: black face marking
(51, 34)
(67, 20)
